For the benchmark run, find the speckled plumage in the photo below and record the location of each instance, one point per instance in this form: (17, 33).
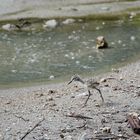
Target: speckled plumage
(90, 84)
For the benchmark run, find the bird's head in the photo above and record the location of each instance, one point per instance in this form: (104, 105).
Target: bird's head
(76, 78)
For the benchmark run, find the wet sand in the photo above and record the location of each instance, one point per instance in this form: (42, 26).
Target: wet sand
(21, 109)
(15, 9)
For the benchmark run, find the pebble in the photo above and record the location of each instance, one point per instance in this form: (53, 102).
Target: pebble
(115, 70)
(95, 132)
(51, 91)
(121, 78)
(132, 15)
(68, 21)
(62, 136)
(8, 102)
(106, 129)
(50, 24)
(8, 27)
(50, 98)
(51, 77)
(103, 80)
(97, 105)
(39, 94)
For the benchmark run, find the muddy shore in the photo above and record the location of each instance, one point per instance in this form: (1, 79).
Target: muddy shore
(21, 109)
(16, 9)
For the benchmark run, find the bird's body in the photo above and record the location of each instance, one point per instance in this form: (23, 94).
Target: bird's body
(90, 84)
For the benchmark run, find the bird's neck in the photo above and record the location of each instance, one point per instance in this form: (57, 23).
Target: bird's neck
(82, 81)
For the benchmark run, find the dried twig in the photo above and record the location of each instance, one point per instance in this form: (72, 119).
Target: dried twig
(20, 117)
(78, 116)
(84, 124)
(29, 131)
(109, 137)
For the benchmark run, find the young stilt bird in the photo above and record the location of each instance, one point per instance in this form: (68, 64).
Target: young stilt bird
(90, 84)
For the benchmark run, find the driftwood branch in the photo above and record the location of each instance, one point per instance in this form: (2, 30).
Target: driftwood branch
(29, 131)
(134, 122)
(109, 137)
(78, 116)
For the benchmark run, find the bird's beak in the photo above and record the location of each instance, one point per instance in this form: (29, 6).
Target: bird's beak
(70, 82)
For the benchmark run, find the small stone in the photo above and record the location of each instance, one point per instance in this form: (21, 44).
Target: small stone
(132, 15)
(95, 132)
(138, 86)
(50, 24)
(115, 70)
(68, 21)
(61, 135)
(115, 88)
(121, 78)
(106, 85)
(8, 102)
(120, 135)
(119, 128)
(103, 80)
(39, 95)
(9, 27)
(51, 91)
(51, 77)
(103, 120)
(50, 99)
(101, 42)
(106, 129)
(52, 105)
(97, 105)
(72, 96)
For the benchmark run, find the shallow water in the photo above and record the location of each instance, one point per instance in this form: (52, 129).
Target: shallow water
(54, 55)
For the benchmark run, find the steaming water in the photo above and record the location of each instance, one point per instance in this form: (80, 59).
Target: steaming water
(51, 55)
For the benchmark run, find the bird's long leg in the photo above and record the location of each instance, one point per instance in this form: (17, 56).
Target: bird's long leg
(89, 94)
(100, 93)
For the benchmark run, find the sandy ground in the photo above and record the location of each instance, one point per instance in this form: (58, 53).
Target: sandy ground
(43, 112)
(15, 9)
(22, 109)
